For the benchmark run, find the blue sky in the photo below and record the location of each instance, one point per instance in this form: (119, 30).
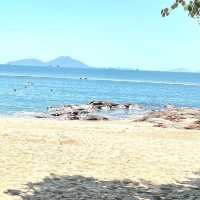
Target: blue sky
(106, 33)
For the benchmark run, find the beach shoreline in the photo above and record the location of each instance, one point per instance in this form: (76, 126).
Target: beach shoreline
(33, 149)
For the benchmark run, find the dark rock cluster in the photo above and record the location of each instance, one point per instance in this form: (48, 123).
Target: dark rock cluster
(167, 117)
(89, 111)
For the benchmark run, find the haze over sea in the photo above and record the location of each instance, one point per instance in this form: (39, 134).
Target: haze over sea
(33, 89)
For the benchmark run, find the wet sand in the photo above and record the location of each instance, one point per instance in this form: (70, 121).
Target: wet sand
(34, 149)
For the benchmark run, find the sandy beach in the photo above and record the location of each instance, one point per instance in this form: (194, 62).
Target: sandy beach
(49, 159)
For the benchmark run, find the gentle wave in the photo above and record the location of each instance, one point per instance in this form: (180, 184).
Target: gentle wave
(103, 79)
(150, 82)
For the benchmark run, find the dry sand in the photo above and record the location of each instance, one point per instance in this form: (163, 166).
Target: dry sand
(32, 149)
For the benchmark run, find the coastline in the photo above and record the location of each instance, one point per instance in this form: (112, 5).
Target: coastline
(168, 116)
(33, 149)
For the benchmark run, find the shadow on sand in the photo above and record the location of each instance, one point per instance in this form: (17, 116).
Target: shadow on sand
(82, 188)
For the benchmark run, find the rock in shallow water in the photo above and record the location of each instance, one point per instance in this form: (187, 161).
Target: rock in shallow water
(89, 111)
(168, 117)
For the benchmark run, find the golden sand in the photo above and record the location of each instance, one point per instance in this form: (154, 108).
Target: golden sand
(32, 149)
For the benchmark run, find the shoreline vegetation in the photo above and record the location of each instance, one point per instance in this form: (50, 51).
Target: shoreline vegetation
(119, 159)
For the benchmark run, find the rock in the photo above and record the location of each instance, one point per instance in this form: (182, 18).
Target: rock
(131, 106)
(127, 105)
(42, 116)
(174, 118)
(169, 116)
(57, 111)
(97, 103)
(94, 118)
(74, 118)
(101, 105)
(193, 126)
(72, 112)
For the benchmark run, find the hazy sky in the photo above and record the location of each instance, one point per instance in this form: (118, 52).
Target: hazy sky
(106, 33)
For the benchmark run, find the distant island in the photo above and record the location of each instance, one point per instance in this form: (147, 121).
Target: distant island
(68, 62)
(62, 61)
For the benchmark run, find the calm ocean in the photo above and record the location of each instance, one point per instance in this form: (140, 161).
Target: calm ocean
(33, 89)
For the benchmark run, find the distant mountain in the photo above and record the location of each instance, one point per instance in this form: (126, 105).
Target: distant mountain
(66, 61)
(62, 61)
(27, 62)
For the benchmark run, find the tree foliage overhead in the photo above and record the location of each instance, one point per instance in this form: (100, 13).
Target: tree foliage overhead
(192, 7)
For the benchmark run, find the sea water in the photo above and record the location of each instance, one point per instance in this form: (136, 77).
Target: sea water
(26, 89)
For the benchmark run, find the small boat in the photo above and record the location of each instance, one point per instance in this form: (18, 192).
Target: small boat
(83, 78)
